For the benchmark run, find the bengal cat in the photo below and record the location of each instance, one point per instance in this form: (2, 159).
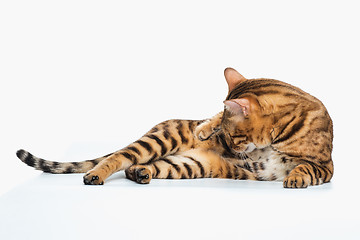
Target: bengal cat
(269, 130)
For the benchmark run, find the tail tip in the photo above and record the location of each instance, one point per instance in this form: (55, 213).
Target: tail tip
(21, 154)
(26, 157)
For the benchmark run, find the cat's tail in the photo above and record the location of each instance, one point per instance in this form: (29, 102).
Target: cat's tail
(57, 167)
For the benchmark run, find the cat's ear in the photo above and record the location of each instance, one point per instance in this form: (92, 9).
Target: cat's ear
(238, 106)
(233, 78)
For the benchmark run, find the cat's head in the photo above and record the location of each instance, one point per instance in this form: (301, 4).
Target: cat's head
(242, 123)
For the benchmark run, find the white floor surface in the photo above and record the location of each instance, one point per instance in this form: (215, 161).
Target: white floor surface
(61, 207)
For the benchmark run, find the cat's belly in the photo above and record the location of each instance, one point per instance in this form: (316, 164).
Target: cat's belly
(269, 165)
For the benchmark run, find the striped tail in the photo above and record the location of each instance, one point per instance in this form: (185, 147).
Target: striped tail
(57, 167)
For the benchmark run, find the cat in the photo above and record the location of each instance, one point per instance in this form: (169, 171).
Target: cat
(268, 131)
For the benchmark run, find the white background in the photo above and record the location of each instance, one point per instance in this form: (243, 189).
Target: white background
(80, 79)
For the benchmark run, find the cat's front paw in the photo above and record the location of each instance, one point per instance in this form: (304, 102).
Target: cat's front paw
(91, 178)
(296, 181)
(139, 173)
(206, 130)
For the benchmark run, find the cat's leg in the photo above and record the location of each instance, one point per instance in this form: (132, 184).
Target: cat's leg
(164, 139)
(308, 173)
(195, 163)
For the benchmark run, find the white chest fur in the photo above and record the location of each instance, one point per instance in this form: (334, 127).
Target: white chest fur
(268, 164)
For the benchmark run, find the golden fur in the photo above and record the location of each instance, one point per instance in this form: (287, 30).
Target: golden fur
(269, 130)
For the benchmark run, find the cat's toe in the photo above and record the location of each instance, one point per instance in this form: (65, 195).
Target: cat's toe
(92, 179)
(139, 174)
(142, 175)
(296, 181)
(202, 136)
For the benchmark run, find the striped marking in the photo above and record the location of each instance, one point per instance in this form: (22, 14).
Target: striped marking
(295, 128)
(135, 150)
(202, 170)
(174, 143)
(157, 170)
(177, 168)
(145, 145)
(169, 176)
(283, 129)
(130, 156)
(166, 134)
(160, 143)
(153, 158)
(259, 87)
(188, 169)
(179, 128)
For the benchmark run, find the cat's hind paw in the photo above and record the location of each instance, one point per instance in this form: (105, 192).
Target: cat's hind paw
(139, 173)
(92, 179)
